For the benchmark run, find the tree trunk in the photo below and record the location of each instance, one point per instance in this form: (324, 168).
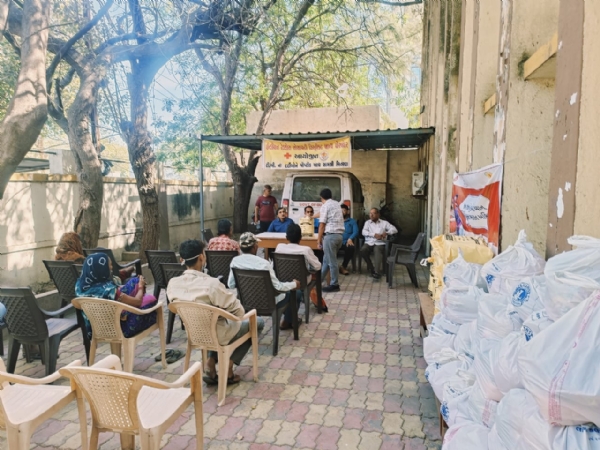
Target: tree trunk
(89, 168)
(141, 154)
(28, 109)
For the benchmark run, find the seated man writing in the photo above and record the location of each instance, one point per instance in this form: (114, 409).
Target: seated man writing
(249, 260)
(375, 232)
(195, 286)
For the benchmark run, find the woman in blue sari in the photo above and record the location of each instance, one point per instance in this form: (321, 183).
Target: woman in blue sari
(96, 280)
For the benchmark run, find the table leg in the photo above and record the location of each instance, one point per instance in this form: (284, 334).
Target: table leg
(294, 306)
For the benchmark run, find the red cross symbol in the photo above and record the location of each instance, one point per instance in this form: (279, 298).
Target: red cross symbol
(287, 155)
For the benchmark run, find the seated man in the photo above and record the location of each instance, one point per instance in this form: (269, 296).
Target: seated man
(249, 260)
(294, 235)
(280, 224)
(348, 238)
(195, 286)
(375, 232)
(223, 241)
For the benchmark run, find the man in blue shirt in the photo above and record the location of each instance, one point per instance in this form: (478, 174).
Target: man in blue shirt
(280, 224)
(348, 239)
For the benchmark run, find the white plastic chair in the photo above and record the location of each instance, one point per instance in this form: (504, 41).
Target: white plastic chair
(29, 402)
(200, 322)
(105, 317)
(134, 405)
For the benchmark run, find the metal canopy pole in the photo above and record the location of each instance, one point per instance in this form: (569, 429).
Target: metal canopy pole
(201, 177)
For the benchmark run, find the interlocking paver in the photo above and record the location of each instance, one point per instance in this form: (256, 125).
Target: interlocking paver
(354, 380)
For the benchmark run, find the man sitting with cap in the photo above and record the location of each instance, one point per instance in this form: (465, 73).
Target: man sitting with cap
(249, 260)
(196, 286)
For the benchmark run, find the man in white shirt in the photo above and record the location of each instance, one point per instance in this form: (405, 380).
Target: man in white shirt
(249, 260)
(294, 235)
(331, 230)
(196, 286)
(375, 232)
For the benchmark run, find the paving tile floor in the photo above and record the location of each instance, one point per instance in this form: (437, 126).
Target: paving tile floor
(354, 380)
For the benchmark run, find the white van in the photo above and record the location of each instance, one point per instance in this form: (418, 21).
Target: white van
(302, 189)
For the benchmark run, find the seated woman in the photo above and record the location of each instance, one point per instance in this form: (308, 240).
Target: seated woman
(69, 248)
(96, 280)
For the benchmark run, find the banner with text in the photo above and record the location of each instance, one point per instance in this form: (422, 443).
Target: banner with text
(309, 155)
(476, 204)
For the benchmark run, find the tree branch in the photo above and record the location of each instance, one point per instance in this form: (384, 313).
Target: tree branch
(67, 46)
(385, 2)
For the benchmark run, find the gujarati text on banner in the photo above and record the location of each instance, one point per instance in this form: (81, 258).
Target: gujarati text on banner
(309, 155)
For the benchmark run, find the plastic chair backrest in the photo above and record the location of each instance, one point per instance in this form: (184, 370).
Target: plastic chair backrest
(207, 235)
(416, 246)
(112, 396)
(24, 319)
(171, 270)
(64, 276)
(155, 258)
(290, 267)
(200, 322)
(104, 316)
(219, 262)
(255, 290)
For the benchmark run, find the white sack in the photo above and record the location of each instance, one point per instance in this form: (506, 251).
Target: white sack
(560, 366)
(504, 362)
(466, 339)
(466, 436)
(455, 396)
(445, 364)
(572, 276)
(528, 295)
(482, 367)
(481, 409)
(579, 437)
(462, 274)
(441, 334)
(460, 305)
(505, 271)
(494, 442)
(509, 417)
(537, 322)
(494, 320)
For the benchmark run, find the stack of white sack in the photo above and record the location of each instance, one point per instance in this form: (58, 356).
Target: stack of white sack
(503, 273)
(572, 276)
(441, 335)
(519, 425)
(462, 274)
(534, 382)
(444, 364)
(460, 305)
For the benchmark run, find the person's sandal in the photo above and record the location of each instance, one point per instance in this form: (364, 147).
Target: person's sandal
(233, 380)
(210, 381)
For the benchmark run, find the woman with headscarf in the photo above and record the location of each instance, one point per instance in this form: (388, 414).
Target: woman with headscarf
(69, 248)
(96, 281)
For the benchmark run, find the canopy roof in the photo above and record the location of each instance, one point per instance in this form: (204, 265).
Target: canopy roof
(361, 140)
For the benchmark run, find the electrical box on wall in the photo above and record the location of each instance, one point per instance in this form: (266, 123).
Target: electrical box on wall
(418, 183)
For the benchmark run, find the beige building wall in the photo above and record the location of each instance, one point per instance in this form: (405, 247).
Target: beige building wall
(529, 127)
(37, 209)
(370, 167)
(587, 212)
(488, 41)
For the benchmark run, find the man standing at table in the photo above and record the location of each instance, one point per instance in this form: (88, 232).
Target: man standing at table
(375, 232)
(331, 229)
(264, 209)
(349, 239)
(281, 224)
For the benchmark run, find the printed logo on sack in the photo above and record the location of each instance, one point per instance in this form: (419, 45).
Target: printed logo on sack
(521, 294)
(489, 279)
(528, 333)
(445, 412)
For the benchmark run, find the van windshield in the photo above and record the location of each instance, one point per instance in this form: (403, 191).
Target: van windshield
(307, 189)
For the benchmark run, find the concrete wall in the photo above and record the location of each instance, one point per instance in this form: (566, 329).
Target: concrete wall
(529, 119)
(521, 131)
(38, 209)
(370, 167)
(587, 212)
